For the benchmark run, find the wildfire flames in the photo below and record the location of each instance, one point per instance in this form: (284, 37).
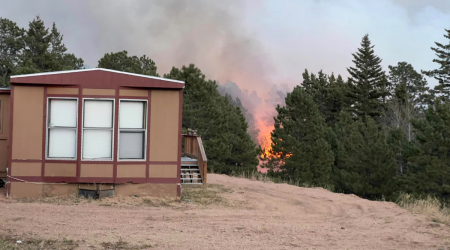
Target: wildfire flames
(266, 150)
(265, 142)
(264, 139)
(266, 146)
(267, 153)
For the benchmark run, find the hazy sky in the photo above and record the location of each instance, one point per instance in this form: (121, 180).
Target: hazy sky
(250, 42)
(255, 43)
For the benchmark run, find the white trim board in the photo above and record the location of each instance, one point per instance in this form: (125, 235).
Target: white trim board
(95, 69)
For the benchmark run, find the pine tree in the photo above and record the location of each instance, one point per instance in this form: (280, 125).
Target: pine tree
(44, 51)
(298, 140)
(70, 62)
(252, 129)
(410, 96)
(233, 91)
(368, 82)
(429, 158)
(317, 87)
(122, 62)
(11, 48)
(415, 85)
(365, 164)
(397, 141)
(60, 59)
(337, 99)
(222, 126)
(442, 74)
(243, 150)
(57, 47)
(37, 42)
(329, 94)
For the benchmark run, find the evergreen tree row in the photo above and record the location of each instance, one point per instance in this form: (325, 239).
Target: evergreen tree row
(375, 134)
(218, 119)
(38, 49)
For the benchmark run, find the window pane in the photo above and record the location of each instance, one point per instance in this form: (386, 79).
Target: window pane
(98, 113)
(97, 144)
(131, 114)
(62, 143)
(131, 145)
(62, 113)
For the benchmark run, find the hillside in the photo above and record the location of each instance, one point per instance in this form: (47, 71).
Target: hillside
(243, 214)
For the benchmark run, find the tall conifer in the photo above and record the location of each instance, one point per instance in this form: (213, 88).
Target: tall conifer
(222, 125)
(365, 164)
(442, 74)
(368, 82)
(299, 140)
(11, 48)
(44, 51)
(429, 158)
(328, 93)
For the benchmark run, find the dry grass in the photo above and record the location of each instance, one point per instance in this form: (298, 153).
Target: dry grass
(123, 245)
(134, 201)
(10, 244)
(205, 194)
(58, 200)
(161, 202)
(258, 176)
(430, 207)
(195, 194)
(117, 201)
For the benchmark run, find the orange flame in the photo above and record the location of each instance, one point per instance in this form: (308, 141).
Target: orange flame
(264, 137)
(265, 141)
(267, 151)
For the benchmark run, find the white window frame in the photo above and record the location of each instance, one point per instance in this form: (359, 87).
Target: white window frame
(112, 129)
(47, 129)
(134, 130)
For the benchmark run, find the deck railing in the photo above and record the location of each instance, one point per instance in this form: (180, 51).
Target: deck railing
(193, 147)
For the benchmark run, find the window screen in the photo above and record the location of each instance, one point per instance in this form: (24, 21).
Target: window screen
(132, 129)
(62, 128)
(98, 129)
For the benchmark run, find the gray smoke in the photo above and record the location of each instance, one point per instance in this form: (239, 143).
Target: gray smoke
(255, 44)
(250, 103)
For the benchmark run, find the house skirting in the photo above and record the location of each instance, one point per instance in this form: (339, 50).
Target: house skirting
(38, 190)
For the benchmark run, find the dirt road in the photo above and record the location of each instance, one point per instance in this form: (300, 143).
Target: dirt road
(253, 215)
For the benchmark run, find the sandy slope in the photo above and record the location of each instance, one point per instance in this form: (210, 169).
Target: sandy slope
(259, 216)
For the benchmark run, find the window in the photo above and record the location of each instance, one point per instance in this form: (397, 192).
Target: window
(132, 129)
(98, 126)
(62, 128)
(97, 129)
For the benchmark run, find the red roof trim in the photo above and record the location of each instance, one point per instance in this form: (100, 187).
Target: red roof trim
(97, 78)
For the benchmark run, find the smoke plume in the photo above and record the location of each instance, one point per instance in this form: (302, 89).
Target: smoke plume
(261, 46)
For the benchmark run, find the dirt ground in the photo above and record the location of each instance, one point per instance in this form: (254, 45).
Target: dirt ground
(247, 215)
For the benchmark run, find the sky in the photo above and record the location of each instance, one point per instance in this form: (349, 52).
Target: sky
(261, 45)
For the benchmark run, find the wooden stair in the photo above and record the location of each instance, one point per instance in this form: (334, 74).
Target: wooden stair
(190, 173)
(194, 164)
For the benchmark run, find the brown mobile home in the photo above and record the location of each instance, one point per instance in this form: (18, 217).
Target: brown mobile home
(94, 129)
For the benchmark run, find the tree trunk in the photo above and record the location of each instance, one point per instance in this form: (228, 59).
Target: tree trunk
(5, 74)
